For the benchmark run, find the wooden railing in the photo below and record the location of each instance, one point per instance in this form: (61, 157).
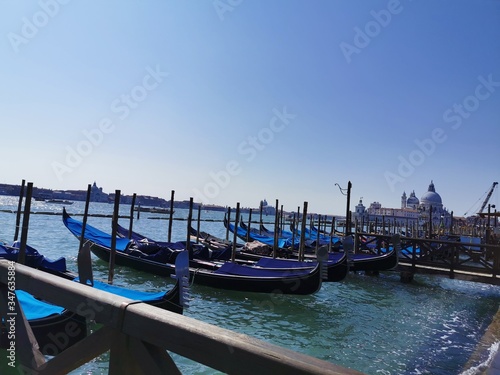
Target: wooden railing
(138, 336)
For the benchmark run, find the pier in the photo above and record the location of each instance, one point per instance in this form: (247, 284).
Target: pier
(477, 262)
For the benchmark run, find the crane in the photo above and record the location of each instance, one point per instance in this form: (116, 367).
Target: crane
(485, 202)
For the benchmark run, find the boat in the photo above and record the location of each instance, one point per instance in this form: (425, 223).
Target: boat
(267, 232)
(357, 261)
(199, 252)
(171, 299)
(212, 242)
(369, 262)
(336, 264)
(314, 234)
(254, 235)
(155, 210)
(36, 260)
(50, 324)
(59, 201)
(228, 275)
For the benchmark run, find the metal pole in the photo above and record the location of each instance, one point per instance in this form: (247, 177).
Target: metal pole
(348, 209)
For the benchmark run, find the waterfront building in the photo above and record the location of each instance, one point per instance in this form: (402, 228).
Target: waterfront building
(412, 211)
(97, 195)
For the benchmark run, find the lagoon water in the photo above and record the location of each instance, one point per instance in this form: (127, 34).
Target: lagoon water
(376, 325)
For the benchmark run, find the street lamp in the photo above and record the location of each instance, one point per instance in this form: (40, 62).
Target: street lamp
(347, 228)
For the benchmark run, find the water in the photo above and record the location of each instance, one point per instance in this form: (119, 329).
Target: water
(375, 325)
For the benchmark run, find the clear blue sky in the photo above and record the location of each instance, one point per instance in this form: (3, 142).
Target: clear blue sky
(236, 101)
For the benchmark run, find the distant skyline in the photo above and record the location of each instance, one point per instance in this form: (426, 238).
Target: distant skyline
(239, 101)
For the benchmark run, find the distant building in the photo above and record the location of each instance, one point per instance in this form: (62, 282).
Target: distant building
(97, 195)
(412, 209)
(266, 208)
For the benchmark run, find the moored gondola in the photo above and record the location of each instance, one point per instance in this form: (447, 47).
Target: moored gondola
(336, 265)
(231, 276)
(169, 300)
(357, 262)
(55, 328)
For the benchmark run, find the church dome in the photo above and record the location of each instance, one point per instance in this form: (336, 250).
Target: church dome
(412, 200)
(431, 198)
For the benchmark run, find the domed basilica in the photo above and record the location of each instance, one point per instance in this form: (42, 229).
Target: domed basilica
(412, 209)
(430, 198)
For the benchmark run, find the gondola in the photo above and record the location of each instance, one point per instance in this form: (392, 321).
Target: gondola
(267, 232)
(254, 235)
(312, 235)
(208, 251)
(36, 260)
(230, 276)
(336, 265)
(357, 262)
(55, 328)
(153, 210)
(212, 242)
(169, 300)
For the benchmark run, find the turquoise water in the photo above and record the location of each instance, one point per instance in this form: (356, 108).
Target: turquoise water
(375, 325)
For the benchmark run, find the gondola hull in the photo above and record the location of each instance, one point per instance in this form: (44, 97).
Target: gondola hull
(55, 334)
(337, 269)
(55, 328)
(370, 263)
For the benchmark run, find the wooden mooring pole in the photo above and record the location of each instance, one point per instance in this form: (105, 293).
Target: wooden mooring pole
(114, 225)
(26, 221)
(198, 223)
(18, 213)
(235, 234)
(276, 229)
(171, 215)
(228, 222)
(249, 224)
(84, 261)
(189, 221)
(131, 222)
(303, 233)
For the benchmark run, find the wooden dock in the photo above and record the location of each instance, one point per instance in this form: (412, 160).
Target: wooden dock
(138, 336)
(453, 259)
